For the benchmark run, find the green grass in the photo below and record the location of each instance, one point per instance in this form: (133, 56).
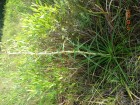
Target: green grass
(90, 58)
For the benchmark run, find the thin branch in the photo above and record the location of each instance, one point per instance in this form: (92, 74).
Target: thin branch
(54, 53)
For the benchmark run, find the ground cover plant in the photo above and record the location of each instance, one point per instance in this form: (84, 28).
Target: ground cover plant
(70, 52)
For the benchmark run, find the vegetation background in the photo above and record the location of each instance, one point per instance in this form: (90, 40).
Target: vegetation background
(70, 52)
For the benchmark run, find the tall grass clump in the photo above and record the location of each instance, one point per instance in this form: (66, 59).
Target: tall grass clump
(113, 72)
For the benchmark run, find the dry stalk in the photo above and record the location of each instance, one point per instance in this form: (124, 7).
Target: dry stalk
(55, 53)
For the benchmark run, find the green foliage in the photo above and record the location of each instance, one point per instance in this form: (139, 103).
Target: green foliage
(102, 67)
(40, 80)
(41, 22)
